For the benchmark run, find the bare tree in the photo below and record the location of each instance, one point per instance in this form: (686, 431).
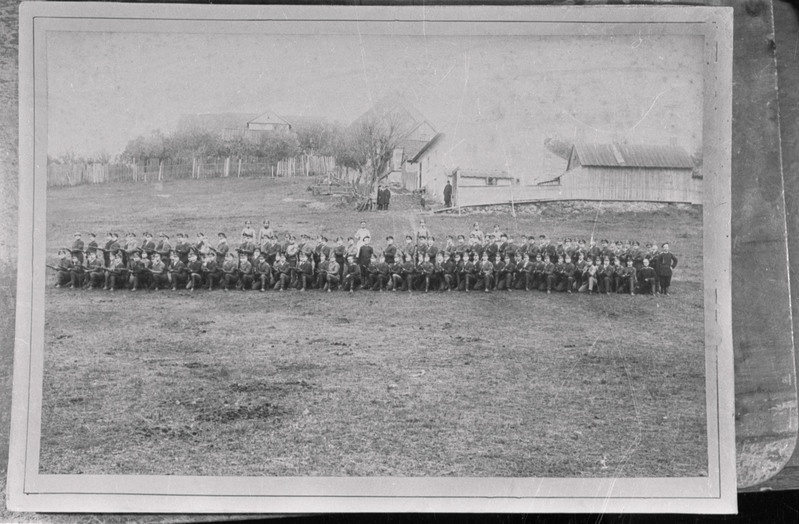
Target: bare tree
(370, 144)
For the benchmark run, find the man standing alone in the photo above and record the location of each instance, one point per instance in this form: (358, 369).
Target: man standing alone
(448, 195)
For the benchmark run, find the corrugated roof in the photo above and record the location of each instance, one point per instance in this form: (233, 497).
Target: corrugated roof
(631, 155)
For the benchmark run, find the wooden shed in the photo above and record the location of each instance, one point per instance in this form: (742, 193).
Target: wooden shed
(624, 172)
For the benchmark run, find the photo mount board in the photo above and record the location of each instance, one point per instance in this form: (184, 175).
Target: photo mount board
(28, 490)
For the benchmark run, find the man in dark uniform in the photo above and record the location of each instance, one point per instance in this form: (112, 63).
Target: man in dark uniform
(136, 268)
(390, 252)
(76, 272)
(333, 275)
(117, 272)
(448, 194)
(230, 270)
(245, 272)
(262, 273)
(408, 273)
(282, 271)
(163, 247)
(305, 270)
(352, 274)
(77, 247)
(160, 277)
(365, 258)
(340, 255)
(382, 274)
(95, 270)
(647, 278)
(92, 245)
(178, 274)
(62, 270)
(666, 262)
(195, 268)
(212, 270)
(395, 274)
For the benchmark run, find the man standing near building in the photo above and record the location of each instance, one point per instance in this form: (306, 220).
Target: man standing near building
(448, 194)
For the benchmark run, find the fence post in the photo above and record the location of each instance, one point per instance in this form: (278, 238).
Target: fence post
(193, 165)
(160, 169)
(238, 173)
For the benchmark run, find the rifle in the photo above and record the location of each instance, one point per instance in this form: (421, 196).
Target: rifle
(57, 268)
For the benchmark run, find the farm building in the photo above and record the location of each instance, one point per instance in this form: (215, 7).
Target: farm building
(630, 172)
(611, 172)
(269, 121)
(415, 136)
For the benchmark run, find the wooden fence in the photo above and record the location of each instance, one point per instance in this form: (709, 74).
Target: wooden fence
(187, 168)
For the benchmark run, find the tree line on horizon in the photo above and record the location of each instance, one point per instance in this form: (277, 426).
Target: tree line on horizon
(366, 146)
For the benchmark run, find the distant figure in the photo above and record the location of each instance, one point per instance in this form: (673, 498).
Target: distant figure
(386, 197)
(448, 195)
(381, 199)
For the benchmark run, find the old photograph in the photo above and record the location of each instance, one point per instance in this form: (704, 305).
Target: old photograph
(370, 249)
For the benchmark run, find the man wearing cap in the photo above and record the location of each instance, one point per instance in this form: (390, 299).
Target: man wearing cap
(212, 270)
(365, 253)
(321, 272)
(116, 273)
(136, 270)
(160, 277)
(163, 247)
(230, 270)
(222, 248)
(182, 248)
(647, 278)
(390, 251)
(485, 271)
(245, 281)
(62, 269)
(95, 273)
(76, 249)
(666, 262)
(148, 246)
(195, 270)
(282, 271)
(92, 246)
(305, 272)
(333, 274)
(352, 274)
(177, 272)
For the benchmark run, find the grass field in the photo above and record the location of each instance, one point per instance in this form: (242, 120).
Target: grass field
(499, 384)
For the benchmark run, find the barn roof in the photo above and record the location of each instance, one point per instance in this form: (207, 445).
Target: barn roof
(630, 155)
(269, 118)
(414, 149)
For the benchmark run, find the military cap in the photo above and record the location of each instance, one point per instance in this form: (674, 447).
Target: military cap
(219, 235)
(76, 234)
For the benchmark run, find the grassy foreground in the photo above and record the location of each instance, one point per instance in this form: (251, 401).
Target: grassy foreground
(520, 384)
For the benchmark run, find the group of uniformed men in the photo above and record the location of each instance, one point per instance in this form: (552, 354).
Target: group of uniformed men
(262, 261)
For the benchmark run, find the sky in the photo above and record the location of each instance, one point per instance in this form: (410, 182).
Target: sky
(106, 88)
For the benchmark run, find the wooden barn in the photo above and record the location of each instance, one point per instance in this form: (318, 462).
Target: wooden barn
(269, 121)
(608, 172)
(625, 172)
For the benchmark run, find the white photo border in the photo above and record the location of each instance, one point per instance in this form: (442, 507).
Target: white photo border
(28, 490)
